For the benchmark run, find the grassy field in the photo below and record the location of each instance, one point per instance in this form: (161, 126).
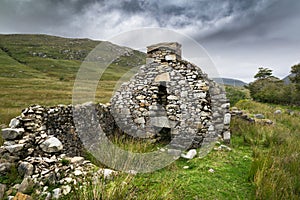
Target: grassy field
(275, 168)
(40, 69)
(263, 164)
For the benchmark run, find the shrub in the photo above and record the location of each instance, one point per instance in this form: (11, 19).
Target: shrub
(235, 94)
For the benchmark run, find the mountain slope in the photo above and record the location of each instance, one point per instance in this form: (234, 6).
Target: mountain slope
(55, 57)
(230, 81)
(287, 80)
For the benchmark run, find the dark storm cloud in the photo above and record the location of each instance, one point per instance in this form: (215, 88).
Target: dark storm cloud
(275, 19)
(20, 15)
(75, 6)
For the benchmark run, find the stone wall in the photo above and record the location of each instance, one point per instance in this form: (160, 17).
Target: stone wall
(44, 146)
(171, 98)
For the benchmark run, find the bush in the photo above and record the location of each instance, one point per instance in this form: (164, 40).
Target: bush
(271, 90)
(235, 94)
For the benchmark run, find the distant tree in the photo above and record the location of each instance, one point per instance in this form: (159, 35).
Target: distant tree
(268, 88)
(296, 78)
(263, 73)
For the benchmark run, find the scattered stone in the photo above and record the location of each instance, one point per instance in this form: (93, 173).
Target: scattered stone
(56, 193)
(26, 185)
(133, 172)
(77, 160)
(107, 173)
(12, 133)
(290, 112)
(48, 195)
(68, 180)
(14, 148)
(172, 97)
(259, 116)
(51, 145)
(227, 118)
(78, 172)
(16, 186)
(66, 189)
(190, 154)
(226, 137)
(21, 196)
(222, 147)
(2, 190)
(25, 169)
(5, 167)
(277, 112)
(14, 123)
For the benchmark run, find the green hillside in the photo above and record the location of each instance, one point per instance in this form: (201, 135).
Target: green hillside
(41, 69)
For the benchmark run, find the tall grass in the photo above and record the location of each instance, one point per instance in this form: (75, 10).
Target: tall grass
(122, 187)
(276, 151)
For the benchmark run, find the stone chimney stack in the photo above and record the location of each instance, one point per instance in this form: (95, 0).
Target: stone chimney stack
(163, 52)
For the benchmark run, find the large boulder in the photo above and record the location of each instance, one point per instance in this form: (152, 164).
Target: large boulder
(190, 154)
(2, 190)
(51, 145)
(25, 169)
(21, 196)
(5, 167)
(26, 185)
(12, 133)
(14, 123)
(14, 148)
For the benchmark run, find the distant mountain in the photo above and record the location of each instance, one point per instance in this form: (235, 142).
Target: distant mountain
(287, 80)
(230, 81)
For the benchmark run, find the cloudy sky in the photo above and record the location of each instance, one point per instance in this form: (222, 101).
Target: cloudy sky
(239, 35)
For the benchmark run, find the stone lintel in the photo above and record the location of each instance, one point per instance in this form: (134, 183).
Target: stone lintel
(172, 46)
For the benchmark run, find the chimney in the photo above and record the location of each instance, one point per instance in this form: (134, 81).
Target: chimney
(161, 52)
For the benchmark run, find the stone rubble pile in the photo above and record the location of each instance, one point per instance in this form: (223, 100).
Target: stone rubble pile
(42, 144)
(252, 118)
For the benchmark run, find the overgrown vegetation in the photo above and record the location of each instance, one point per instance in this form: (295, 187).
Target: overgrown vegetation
(275, 167)
(270, 89)
(235, 94)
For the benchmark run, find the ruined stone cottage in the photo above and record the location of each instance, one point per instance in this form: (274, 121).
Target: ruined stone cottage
(171, 99)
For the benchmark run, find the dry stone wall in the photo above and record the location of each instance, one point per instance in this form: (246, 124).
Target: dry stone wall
(171, 98)
(43, 145)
